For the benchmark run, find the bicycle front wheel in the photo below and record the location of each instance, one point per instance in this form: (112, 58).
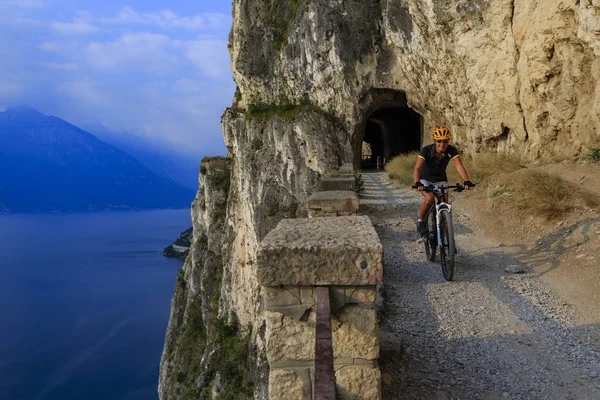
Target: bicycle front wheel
(431, 236)
(447, 249)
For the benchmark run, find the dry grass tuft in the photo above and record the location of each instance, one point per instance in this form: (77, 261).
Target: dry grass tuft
(401, 168)
(546, 195)
(526, 191)
(479, 167)
(482, 165)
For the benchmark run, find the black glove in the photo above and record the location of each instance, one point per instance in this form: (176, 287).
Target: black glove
(469, 184)
(418, 185)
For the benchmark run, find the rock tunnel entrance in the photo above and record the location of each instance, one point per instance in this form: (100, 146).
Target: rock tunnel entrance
(389, 128)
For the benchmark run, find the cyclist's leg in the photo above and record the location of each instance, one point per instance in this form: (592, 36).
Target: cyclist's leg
(428, 200)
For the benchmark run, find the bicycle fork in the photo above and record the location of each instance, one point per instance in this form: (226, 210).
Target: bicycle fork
(438, 212)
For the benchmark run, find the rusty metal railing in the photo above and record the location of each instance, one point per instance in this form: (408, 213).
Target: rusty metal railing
(324, 373)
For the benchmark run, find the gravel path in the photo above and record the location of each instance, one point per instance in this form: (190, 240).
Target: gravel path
(488, 334)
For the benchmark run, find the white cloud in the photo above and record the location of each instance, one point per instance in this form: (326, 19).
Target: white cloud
(147, 50)
(22, 3)
(210, 56)
(186, 86)
(9, 88)
(60, 66)
(169, 19)
(49, 46)
(158, 53)
(83, 23)
(86, 91)
(68, 47)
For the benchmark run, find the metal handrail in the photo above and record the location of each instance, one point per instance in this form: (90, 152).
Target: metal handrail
(324, 373)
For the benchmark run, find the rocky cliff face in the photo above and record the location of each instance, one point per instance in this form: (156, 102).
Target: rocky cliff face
(313, 78)
(514, 74)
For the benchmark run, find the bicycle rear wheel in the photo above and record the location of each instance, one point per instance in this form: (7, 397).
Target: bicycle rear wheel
(430, 236)
(447, 250)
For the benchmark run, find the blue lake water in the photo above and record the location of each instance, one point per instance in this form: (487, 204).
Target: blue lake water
(84, 303)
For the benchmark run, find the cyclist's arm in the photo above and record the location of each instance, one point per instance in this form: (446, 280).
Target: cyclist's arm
(461, 168)
(417, 170)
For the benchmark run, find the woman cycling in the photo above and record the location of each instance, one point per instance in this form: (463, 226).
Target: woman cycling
(431, 169)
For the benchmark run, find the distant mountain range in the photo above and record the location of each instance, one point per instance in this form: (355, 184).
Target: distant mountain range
(159, 156)
(47, 164)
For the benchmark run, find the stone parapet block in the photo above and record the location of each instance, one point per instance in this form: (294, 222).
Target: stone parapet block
(353, 381)
(291, 384)
(346, 168)
(345, 171)
(340, 175)
(337, 184)
(358, 382)
(321, 214)
(355, 336)
(321, 251)
(304, 296)
(334, 202)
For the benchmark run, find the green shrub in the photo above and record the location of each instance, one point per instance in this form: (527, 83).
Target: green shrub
(502, 190)
(358, 183)
(594, 154)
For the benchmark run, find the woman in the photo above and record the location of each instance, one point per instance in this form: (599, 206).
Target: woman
(431, 169)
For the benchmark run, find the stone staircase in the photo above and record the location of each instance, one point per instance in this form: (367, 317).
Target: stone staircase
(337, 253)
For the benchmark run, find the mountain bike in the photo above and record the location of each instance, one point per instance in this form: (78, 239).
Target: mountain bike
(440, 229)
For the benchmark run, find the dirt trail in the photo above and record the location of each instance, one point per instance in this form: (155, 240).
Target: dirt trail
(488, 334)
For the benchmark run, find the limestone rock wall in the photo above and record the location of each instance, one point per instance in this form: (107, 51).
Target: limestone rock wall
(274, 165)
(277, 164)
(507, 74)
(185, 368)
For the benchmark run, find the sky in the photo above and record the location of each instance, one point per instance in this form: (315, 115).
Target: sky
(154, 68)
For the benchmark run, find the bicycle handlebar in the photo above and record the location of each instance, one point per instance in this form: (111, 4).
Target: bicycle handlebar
(432, 188)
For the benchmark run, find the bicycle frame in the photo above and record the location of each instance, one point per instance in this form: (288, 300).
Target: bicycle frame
(440, 205)
(443, 226)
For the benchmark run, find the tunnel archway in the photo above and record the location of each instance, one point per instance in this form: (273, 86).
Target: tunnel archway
(389, 128)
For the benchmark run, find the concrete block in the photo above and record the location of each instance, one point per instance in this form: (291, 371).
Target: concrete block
(321, 251)
(320, 214)
(334, 201)
(346, 168)
(337, 184)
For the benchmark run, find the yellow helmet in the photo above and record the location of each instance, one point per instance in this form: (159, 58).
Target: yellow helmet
(441, 133)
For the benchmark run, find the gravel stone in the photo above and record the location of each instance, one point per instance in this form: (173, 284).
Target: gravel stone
(514, 268)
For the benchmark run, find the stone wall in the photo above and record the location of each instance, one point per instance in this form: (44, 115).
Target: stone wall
(344, 254)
